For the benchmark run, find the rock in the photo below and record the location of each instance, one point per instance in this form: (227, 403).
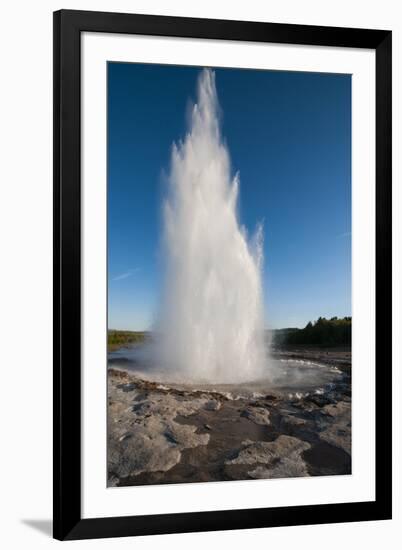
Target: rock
(141, 454)
(143, 435)
(271, 397)
(212, 405)
(112, 481)
(256, 414)
(292, 424)
(319, 399)
(126, 387)
(273, 459)
(125, 436)
(337, 431)
(170, 438)
(150, 425)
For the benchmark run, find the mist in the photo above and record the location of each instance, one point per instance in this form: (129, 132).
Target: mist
(210, 321)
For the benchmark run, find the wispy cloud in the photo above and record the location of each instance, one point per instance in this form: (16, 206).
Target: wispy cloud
(126, 274)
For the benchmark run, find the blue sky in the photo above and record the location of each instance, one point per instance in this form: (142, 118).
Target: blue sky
(289, 136)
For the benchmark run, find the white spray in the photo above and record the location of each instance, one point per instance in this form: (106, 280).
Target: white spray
(211, 320)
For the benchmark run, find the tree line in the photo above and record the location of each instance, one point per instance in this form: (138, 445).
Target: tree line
(119, 338)
(323, 332)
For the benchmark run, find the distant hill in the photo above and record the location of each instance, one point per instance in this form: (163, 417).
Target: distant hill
(323, 332)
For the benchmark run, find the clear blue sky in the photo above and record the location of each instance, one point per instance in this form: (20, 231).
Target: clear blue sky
(289, 136)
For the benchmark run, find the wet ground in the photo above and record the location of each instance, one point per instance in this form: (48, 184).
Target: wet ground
(174, 433)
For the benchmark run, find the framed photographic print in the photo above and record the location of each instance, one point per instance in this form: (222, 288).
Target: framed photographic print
(222, 274)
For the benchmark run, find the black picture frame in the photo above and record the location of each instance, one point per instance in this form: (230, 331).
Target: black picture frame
(68, 26)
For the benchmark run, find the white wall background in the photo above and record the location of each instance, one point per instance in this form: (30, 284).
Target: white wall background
(26, 269)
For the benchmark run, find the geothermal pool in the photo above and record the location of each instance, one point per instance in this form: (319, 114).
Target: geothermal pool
(283, 375)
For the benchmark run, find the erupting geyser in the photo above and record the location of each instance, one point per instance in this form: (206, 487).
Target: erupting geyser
(211, 319)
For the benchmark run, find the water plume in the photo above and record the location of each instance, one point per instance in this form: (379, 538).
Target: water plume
(211, 319)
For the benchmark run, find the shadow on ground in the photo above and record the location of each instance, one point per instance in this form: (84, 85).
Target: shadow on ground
(44, 526)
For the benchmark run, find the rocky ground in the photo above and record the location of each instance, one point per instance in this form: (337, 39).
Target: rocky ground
(159, 434)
